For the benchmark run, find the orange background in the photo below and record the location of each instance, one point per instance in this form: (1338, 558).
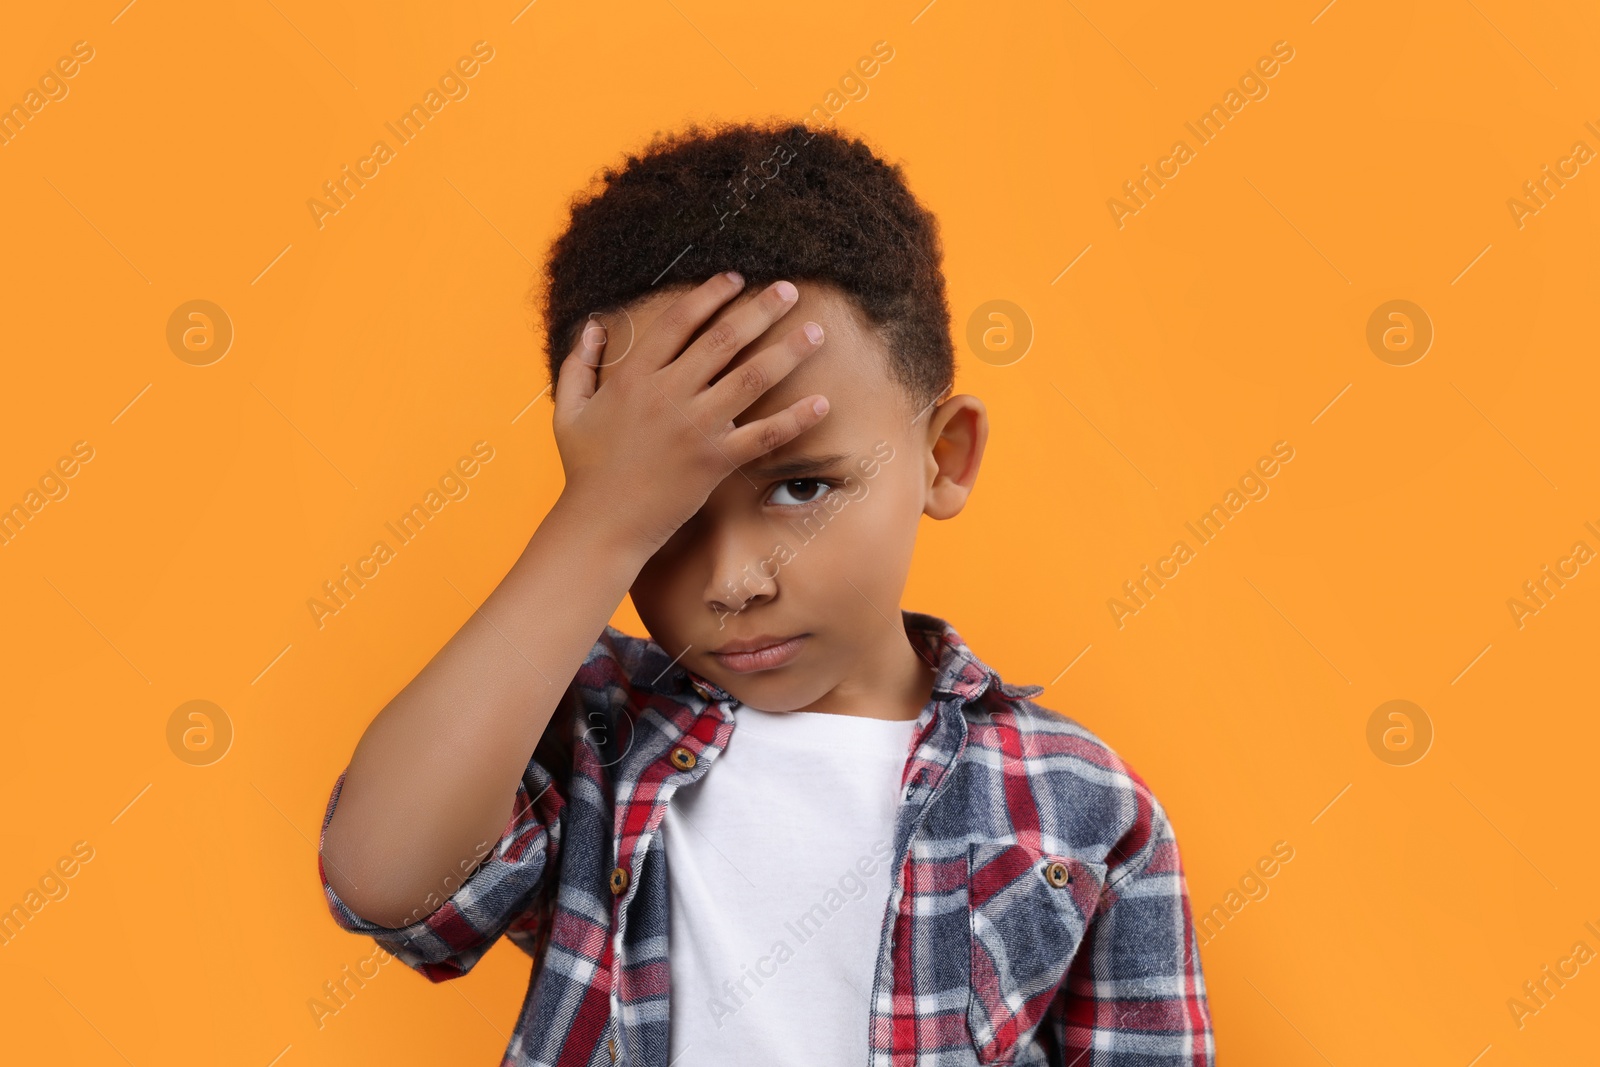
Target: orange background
(1226, 315)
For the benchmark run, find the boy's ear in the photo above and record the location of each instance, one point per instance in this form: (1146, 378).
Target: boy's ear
(957, 432)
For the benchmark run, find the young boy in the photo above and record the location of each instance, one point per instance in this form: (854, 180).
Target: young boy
(799, 824)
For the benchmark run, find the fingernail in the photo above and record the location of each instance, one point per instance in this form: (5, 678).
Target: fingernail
(786, 290)
(735, 277)
(814, 332)
(821, 406)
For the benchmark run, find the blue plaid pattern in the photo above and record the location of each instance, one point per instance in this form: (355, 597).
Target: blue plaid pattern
(1038, 912)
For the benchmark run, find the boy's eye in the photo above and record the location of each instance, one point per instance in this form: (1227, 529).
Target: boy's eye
(800, 491)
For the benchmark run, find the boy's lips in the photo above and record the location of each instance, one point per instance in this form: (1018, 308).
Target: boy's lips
(758, 653)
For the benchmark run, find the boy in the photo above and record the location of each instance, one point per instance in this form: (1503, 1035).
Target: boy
(899, 859)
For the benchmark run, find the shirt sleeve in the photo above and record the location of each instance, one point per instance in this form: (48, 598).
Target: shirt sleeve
(1135, 995)
(499, 896)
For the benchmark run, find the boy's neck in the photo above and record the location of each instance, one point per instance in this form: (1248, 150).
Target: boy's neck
(892, 680)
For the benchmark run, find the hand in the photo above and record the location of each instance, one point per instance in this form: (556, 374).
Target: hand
(646, 449)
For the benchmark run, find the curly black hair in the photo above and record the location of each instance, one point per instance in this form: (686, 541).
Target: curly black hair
(770, 200)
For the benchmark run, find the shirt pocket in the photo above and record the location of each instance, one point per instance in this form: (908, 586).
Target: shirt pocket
(1028, 911)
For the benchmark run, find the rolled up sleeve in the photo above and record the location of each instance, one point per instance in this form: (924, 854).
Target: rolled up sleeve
(447, 942)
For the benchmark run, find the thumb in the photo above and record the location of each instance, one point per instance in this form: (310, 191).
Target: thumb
(578, 377)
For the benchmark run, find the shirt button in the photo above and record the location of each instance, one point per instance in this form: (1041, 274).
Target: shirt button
(1057, 874)
(682, 758)
(619, 881)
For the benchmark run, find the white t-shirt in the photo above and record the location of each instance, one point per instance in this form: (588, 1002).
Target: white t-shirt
(778, 859)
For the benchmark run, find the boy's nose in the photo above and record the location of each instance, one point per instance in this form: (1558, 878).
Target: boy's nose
(744, 570)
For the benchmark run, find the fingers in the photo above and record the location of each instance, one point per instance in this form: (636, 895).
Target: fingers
(671, 330)
(744, 384)
(756, 439)
(577, 376)
(713, 350)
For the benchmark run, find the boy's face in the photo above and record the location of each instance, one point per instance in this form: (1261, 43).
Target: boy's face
(814, 539)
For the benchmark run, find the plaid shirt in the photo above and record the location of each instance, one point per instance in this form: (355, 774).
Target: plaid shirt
(1038, 912)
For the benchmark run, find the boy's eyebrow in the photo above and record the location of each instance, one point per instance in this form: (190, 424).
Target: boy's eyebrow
(790, 468)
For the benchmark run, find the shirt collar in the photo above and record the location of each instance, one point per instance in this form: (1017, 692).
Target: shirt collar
(959, 672)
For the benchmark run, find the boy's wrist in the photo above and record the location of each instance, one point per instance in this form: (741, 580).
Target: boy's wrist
(600, 523)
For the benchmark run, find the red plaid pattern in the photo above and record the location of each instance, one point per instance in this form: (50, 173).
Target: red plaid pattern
(1038, 912)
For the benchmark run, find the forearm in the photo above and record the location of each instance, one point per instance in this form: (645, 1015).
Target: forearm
(428, 787)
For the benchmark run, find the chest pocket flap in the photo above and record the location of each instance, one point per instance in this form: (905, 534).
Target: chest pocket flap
(1028, 911)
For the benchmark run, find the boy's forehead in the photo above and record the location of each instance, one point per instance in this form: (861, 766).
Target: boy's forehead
(851, 368)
